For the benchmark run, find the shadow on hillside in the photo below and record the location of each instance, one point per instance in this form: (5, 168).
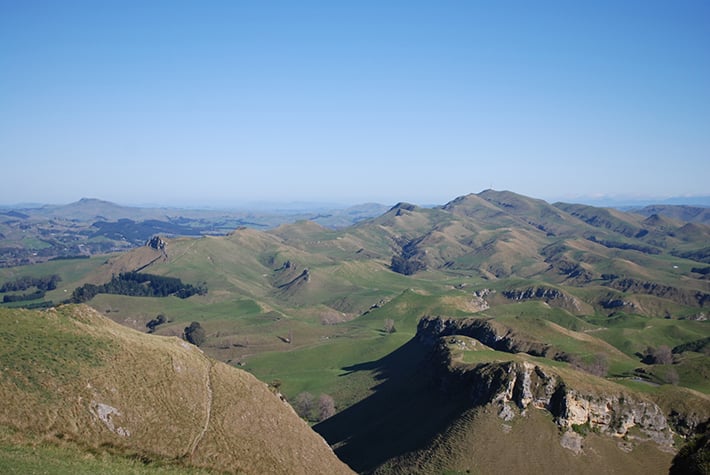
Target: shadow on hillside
(403, 414)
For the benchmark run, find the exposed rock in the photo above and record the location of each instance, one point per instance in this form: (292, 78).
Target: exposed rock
(107, 414)
(610, 303)
(572, 441)
(547, 294)
(516, 386)
(523, 385)
(682, 296)
(157, 243)
(486, 330)
(479, 302)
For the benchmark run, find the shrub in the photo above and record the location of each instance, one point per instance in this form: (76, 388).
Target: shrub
(660, 355)
(195, 334)
(326, 407)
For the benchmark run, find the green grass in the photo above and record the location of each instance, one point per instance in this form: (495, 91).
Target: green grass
(72, 272)
(51, 349)
(45, 459)
(634, 333)
(244, 309)
(328, 367)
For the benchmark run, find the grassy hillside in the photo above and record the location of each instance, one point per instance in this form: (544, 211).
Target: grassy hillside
(23, 455)
(72, 376)
(311, 309)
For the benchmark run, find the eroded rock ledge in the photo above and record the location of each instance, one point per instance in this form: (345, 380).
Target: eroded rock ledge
(486, 330)
(577, 405)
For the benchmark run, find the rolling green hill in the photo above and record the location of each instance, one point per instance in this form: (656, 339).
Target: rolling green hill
(596, 297)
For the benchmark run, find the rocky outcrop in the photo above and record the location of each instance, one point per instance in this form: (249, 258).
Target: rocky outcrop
(612, 414)
(549, 295)
(290, 277)
(514, 387)
(486, 330)
(157, 243)
(616, 303)
(682, 296)
(303, 277)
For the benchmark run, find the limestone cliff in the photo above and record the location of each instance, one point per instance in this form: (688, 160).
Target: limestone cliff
(578, 402)
(486, 330)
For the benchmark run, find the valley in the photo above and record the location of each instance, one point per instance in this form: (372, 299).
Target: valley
(562, 329)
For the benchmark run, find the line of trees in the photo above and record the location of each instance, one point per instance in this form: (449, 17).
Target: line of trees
(45, 283)
(39, 294)
(625, 245)
(138, 285)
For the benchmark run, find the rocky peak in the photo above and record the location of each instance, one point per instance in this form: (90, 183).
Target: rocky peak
(157, 243)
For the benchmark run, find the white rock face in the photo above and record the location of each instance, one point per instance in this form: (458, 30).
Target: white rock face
(524, 385)
(107, 414)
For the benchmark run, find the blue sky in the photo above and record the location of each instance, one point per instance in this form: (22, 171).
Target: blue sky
(228, 102)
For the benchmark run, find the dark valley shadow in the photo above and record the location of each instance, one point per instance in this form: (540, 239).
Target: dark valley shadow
(403, 414)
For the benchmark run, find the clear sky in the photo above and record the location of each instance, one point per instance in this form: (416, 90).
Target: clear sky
(228, 102)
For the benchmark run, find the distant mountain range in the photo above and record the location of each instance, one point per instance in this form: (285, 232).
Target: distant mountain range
(693, 214)
(91, 226)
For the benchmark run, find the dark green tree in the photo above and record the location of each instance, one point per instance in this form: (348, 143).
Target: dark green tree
(195, 334)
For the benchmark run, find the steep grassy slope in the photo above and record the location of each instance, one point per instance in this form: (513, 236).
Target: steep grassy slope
(72, 375)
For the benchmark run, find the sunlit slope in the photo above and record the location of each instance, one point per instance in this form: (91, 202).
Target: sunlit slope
(73, 375)
(485, 238)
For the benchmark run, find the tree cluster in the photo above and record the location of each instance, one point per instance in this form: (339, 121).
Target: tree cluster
(625, 246)
(694, 457)
(598, 366)
(700, 346)
(406, 266)
(45, 283)
(138, 285)
(312, 409)
(661, 355)
(157, 321)
(39, 294)
(699, 255)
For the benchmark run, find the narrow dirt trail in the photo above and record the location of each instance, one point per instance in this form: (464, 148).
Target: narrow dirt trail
(208, 412)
